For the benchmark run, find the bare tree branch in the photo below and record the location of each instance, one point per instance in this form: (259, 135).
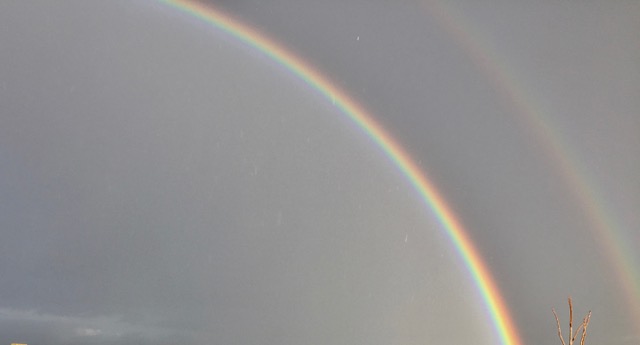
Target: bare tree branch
(585, 323)
(570, 321)
(558, 323)
(573, 335)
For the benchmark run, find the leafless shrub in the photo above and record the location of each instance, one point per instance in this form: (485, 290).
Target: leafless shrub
(572, 335)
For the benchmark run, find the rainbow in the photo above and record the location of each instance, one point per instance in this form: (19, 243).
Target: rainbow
(538, 121)
(501, 319)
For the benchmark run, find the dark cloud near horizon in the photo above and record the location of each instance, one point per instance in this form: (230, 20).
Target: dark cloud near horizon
(162, 183)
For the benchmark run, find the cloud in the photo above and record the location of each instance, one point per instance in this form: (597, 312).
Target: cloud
(31, 326)
(88, 332)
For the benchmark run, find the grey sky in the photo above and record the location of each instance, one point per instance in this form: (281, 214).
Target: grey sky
(162, 183)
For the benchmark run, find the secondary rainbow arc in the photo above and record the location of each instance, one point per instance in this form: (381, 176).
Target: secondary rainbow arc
(505, 82)
(501, 319)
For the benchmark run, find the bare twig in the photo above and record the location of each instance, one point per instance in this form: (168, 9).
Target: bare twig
(570, 321)
(573, 338)
(583, 326)
(585, 323)
(558, 323)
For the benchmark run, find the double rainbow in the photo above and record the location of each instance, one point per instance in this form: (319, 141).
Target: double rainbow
(497, 69)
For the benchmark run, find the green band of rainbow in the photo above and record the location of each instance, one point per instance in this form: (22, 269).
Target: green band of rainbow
(499, 314)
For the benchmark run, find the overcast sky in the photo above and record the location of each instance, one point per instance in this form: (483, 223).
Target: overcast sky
(163, 183)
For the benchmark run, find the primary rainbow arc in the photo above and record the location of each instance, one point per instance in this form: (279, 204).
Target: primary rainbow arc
(500, 317)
